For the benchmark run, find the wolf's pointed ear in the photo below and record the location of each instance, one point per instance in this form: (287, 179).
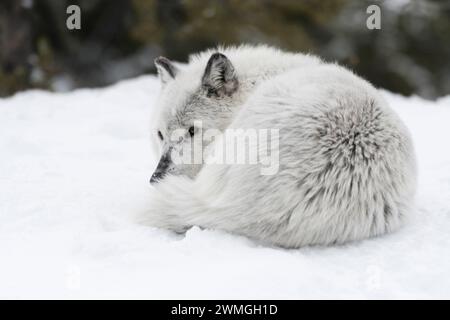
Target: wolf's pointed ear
(166, 70)
(219, 77)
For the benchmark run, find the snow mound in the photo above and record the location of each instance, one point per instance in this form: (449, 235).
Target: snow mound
(74, 166)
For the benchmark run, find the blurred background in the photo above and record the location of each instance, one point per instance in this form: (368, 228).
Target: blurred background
(119, 39)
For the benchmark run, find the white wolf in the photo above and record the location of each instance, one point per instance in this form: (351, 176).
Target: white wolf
(346, 161)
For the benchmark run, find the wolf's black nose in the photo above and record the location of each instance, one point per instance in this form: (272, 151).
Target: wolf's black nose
(162, 168)
(156, 177)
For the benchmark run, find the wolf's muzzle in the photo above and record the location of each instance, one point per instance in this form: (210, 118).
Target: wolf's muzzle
(161, 169)
(156, 177)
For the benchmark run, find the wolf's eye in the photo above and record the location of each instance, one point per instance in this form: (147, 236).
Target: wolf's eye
(211, 92)
(160, 135)
(192, 131)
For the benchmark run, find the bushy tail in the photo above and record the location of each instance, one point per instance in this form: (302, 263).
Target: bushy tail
(177, 203)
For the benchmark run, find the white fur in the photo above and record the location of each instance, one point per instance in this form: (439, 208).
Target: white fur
(347, 164)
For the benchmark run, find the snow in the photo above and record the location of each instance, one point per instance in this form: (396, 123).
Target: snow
(74, 168)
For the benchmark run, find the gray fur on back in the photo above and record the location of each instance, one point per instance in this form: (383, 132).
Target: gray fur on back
(347, 164)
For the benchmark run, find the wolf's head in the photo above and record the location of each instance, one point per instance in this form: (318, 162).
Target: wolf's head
(202, 93)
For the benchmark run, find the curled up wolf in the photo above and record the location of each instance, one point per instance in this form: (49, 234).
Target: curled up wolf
(335, 163)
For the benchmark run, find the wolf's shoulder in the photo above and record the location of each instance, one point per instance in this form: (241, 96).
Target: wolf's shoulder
(249, 58)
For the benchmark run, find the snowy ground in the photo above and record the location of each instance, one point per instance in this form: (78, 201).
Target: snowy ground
(74, 166)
